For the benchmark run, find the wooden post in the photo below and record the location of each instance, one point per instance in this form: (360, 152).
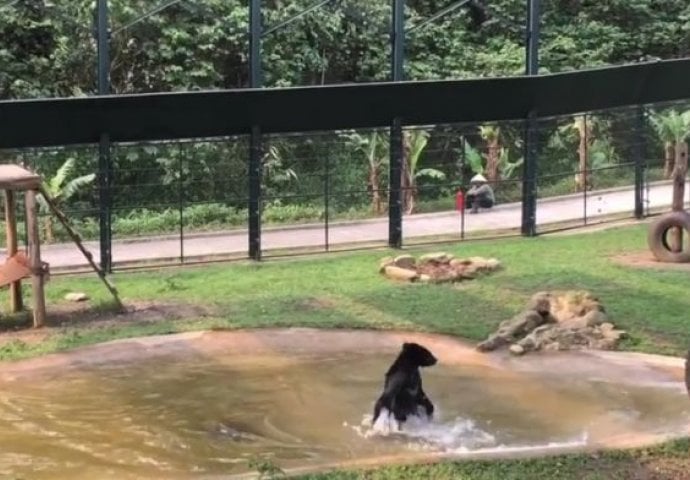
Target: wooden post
(16, 304)
(680, 171)
(35, 259)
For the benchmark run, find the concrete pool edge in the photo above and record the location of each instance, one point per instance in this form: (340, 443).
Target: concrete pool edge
(435, 458)
(308, 339)
(304, 341)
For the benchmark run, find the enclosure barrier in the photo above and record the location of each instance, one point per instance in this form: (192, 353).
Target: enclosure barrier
(197, 142)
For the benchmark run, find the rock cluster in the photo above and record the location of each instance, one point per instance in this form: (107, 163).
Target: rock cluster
(556, 321)
(436, 268)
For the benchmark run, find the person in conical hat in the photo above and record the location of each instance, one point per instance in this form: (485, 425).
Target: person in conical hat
(480, 194)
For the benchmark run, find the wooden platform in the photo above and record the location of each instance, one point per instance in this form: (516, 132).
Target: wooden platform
(14, 177)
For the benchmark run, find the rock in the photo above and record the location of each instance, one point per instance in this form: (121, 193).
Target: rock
(539, 337)
(436, 258)
(482, 264)
(512, 330)
(589, 319)
(76, 297)
(540, 302)
(556, 321)
(469, 271)
(492, 343)
(405, 261)
(609, 332)
(459, 262)
(397, 273)
(493, 264)
(516, 350)
(604, 327)
(594, 318)
(573, 304)
(437, 267)
(384, 263)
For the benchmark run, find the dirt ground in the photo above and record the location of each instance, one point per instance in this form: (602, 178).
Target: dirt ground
(645, 259)
(66, 315)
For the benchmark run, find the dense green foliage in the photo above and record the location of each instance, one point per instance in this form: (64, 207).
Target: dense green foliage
(47, 49)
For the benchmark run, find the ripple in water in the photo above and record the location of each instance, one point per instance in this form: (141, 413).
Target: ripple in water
(459, 436)
(196, 417)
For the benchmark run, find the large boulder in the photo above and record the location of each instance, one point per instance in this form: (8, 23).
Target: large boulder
(556, 321)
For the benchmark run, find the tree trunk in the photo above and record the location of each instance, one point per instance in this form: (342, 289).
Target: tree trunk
(669, 159)
(374, 186)
(680, 171)
(582, 177)
(48, 227)
(407, 181)
(493, 158)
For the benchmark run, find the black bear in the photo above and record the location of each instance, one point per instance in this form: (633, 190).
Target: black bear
(402, 390)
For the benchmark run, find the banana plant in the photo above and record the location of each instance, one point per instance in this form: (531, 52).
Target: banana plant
(60, 189)
(491, 134)
(415, 141)
(474, 159)
(374, 147)
(506, 167)
(594, 148)
(672, 128)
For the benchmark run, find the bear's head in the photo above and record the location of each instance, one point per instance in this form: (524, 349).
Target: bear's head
(418, 354)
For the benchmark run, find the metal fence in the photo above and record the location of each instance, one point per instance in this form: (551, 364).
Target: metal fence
(188, 201)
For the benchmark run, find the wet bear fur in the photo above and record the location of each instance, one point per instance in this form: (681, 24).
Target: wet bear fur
(402, 391)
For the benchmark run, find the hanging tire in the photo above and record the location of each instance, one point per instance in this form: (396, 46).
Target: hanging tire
(656, 237)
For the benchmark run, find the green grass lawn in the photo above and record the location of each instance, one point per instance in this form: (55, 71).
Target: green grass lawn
(345, 290)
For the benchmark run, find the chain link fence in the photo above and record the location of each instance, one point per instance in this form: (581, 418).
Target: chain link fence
(187, 201)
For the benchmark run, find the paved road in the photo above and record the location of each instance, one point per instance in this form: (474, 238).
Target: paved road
(507, 216)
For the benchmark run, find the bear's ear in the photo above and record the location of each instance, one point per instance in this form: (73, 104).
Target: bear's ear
(406, 346)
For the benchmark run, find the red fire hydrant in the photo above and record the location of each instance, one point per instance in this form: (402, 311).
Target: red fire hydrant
(460, 201)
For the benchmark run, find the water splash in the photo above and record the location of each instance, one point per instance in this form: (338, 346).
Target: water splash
(419, 433)
(459, 435)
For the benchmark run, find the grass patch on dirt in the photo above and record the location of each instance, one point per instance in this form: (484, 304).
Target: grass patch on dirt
(345, 290)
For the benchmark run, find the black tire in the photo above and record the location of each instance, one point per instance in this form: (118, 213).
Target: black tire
(656, 237)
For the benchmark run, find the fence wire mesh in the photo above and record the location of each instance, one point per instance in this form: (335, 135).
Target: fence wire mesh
(187, 201)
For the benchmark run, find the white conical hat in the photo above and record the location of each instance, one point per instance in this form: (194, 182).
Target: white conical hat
(478, 178)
